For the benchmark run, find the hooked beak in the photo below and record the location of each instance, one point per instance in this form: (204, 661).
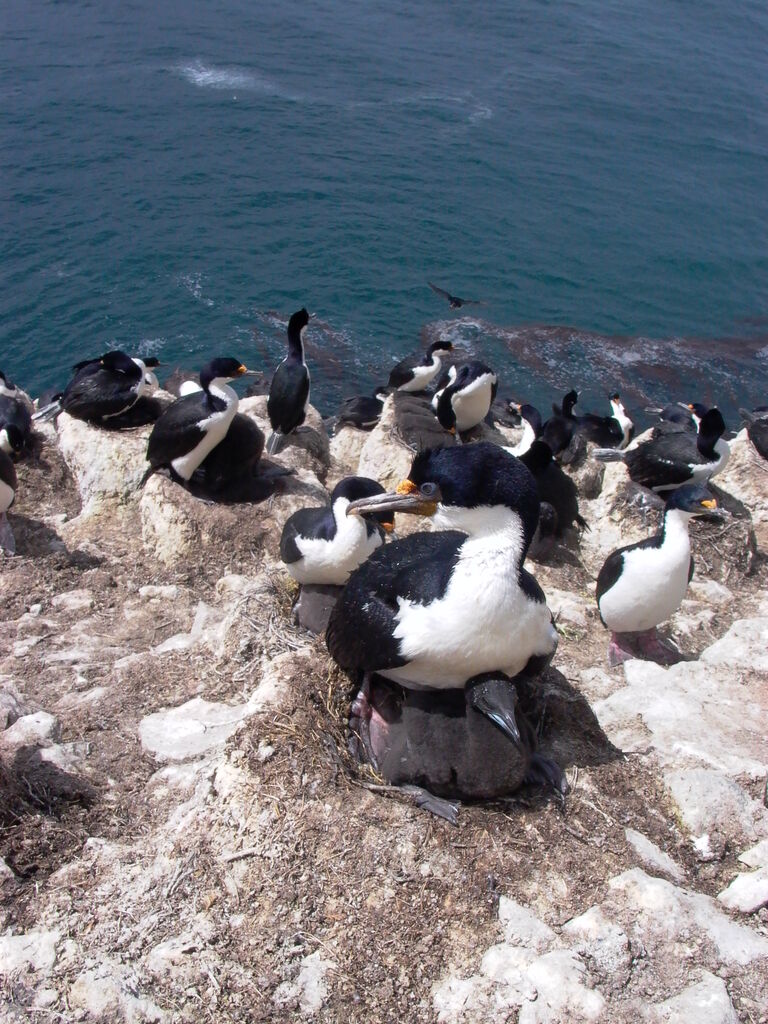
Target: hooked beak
(243, 371)
(497, 700)
(407, 498)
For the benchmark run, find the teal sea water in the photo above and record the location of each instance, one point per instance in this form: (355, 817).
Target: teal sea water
(177, 177)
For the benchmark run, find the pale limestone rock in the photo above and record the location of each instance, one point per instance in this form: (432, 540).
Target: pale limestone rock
(745, 646)
(695, 716)
(661, 913)
(34, 950)
(107, 464)
(710, 591)
(165, 528)
(711, 802)
(564, 993)
(747, 892)
(522, 927)
(73, 601)
(603, 941)
(609, 527)
(36, 730)
(652, 857)
(706, 1002)
(305, 449)
(232, 585)
(12, 706)
(190, 730)
(346, 446)
(111, 991)
(382, 457)
(154, 593)
(757, 856)
(567, 607)
(208, 628)
(310, 987)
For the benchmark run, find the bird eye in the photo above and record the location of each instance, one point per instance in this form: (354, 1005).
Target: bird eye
(429, 490)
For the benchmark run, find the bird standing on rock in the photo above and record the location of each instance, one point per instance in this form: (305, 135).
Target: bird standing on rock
(289, 391)
(189, 429)
(642, 585)
(671, 460)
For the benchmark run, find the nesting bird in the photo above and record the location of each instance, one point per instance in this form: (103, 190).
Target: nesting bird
(100, 389)
(642, 585)
(320, 547)
(190, 429)
(611, 431)
(289, 391)
(362, 411)
(408, 375)
(467, 399)
(434, 609)
(671, 460)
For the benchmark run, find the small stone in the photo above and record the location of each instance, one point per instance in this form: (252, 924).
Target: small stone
(189, 730)
(757, 856)
(310, 989)
(748, 892)
(34, 730)
(522, 927)
(35, 950)
(651, 856)
(155, 593)
(73, 601)
(709, 801)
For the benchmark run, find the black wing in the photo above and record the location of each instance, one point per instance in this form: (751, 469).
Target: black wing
(442, 291)
(602, 430)
(665, 461)
(288, 394)
(94, 394)
(176, 432)
(401, 373)
(316, 523)
(418, 568)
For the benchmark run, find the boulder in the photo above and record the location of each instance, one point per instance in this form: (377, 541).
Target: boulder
(107, 464)
(745, 477)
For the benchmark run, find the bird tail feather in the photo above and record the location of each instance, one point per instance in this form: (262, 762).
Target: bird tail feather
(48, 412)
(608, 454)
(275, 442)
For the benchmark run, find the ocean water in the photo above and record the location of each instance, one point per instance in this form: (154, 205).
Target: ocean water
(178, 177)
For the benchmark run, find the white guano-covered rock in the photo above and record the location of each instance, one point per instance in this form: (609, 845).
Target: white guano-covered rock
(34, 950)
(748, 892)
(190, 730)
(706, 1002)
(107, 464)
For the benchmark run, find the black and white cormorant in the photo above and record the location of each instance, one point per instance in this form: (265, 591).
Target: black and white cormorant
(415, 375)
(362, 411)
(467, 400)
(15, 424)
(464, 744)
(322, 546)
(100, 389)
(531, 419)
(453, 300)
(289, 391)
(8, 484)
(671, 460)
(192, 426)
(642, 585)
(757, 428)
(434, 609)
(614, 431)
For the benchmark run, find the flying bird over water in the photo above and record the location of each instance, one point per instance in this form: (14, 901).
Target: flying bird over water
(453, 300)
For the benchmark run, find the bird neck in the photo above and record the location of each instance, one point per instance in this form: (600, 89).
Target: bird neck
(347, 525)
(219, 388)
(529, 436)
(494, 532)
(296, 344)
(622, 419)
(675, 528)
(5, 444)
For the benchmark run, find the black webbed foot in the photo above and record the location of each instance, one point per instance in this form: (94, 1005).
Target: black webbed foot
(425, 800)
